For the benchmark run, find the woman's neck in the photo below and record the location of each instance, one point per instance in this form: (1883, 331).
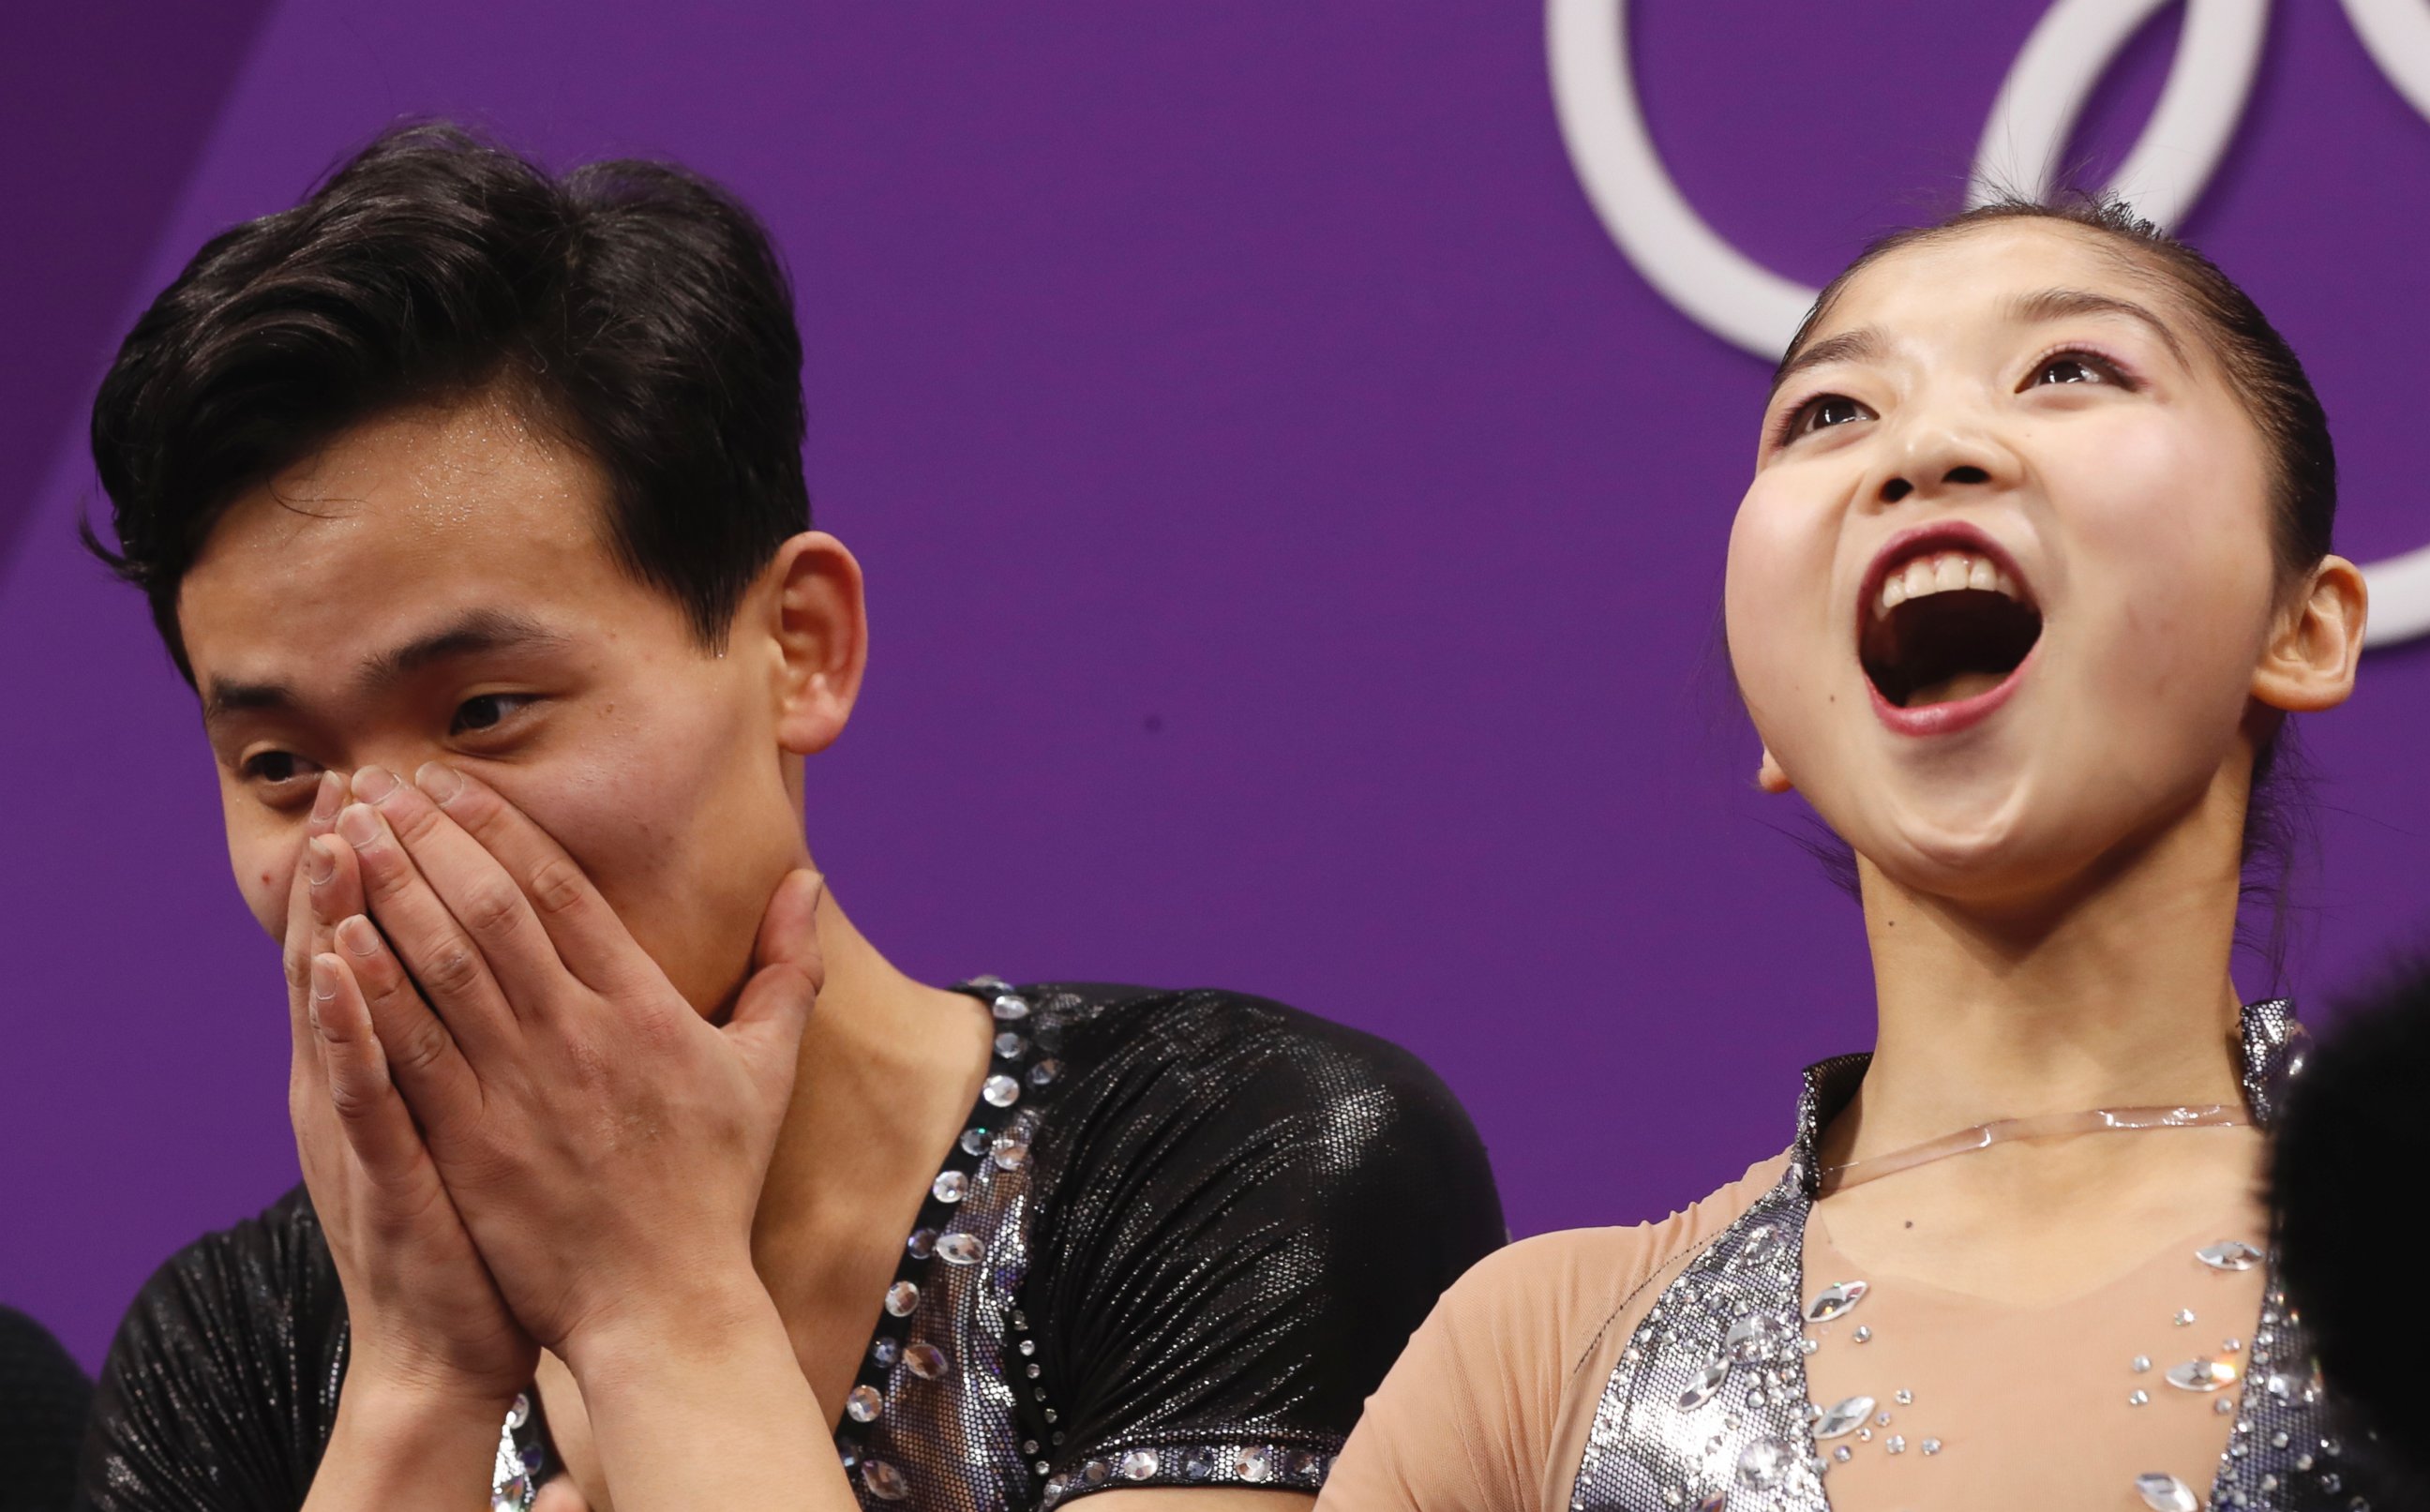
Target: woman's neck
(2115, 994)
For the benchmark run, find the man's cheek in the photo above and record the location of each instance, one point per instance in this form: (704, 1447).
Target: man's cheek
(264, 875)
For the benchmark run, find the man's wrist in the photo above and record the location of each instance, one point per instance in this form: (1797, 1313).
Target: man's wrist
(394, 1435)
(652, 1332)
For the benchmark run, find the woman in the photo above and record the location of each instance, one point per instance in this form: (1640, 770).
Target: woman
(2034, 566)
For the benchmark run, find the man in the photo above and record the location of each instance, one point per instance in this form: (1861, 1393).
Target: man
(469, 501)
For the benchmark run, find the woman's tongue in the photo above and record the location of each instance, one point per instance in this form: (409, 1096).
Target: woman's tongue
(1960, 686)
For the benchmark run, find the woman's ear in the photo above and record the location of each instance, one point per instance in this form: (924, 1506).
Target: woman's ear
(807, 600)
(1768, 775)
(2308, 662)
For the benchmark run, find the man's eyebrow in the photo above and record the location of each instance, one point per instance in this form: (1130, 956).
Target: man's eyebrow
(474, 634)
(2069, 304)
(227, 698)
(1863, 344)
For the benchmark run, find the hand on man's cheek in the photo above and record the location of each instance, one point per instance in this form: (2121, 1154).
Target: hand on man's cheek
(604, 1143)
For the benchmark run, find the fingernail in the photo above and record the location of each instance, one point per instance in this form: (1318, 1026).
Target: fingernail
(373, 784)
(319, 862)
(359, 826)
(439, 782)
(324, 977)
(356, 933)
(328, 797)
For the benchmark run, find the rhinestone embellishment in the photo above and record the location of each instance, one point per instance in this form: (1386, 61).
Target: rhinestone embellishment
(1000, 1091)
(949, 1187)
(884, 1480)
(1763, 1463)
(903, 1298)
(1755, 1335)
(2163, 1492)
(2201, 1375)
(961, 1249)
(926, 1361)
(864, 1404)
(1010, 1151)
(2229, 1255)
(1843, 1418)
(1137, 1464)
(1009, 1009)
(1701, 1390)
(1832, 1302)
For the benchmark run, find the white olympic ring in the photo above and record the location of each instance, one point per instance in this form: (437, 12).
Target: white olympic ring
(1603, 124)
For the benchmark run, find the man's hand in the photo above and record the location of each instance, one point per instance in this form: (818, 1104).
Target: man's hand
(604, 1144)
(434, 1355)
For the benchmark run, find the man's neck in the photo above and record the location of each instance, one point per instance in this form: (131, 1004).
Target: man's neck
(889, 1069)
(2116, 994)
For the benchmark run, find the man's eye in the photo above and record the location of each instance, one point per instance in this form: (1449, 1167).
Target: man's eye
(486, 712)
(276, 768)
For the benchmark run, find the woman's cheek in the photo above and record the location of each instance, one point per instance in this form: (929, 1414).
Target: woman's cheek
(1779, 569)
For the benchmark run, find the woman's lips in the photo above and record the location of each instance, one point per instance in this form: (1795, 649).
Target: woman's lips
(1956, 715)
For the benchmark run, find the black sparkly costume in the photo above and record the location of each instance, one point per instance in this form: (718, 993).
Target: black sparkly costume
(1180, 1241)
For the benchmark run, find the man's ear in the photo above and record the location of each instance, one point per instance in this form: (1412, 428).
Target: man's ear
(2308, 662)
(807, 601)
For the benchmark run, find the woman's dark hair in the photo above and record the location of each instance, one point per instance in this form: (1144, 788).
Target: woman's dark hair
(2265, 372)
(635, 310)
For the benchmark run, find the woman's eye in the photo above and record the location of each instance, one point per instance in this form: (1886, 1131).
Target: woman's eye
(1823, 412)
(2074, 367)
(487, 712)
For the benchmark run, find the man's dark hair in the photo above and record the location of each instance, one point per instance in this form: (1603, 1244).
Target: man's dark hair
(636, 311)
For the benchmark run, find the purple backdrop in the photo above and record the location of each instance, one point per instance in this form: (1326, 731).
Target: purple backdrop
(1294, 530)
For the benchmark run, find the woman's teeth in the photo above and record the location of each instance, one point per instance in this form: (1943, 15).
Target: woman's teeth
(1945, 571)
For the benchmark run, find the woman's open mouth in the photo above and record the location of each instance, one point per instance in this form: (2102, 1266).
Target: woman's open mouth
(1945, 628)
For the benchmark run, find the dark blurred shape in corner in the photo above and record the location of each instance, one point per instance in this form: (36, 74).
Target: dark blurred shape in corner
(43, 1398)
(2351, 1173)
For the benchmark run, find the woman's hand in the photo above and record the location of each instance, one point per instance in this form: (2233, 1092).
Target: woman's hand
(434, 1355)
(604, 1142)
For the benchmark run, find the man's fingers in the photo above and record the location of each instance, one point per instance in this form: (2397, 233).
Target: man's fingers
(789, 930)
(476, 886)
(421, 1055)
(776, 1004)
(303, 939)
(442, 956)
(377, 1123)
(591, 940)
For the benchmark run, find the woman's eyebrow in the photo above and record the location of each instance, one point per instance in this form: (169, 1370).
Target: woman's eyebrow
(1861, 345)
(2067, 304)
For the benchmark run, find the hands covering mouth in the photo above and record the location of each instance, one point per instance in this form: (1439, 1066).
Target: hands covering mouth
(1945, 621)
(517, 1132)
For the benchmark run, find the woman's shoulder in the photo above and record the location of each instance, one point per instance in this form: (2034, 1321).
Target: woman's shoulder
(1486, 1407)
(1561, 1291)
